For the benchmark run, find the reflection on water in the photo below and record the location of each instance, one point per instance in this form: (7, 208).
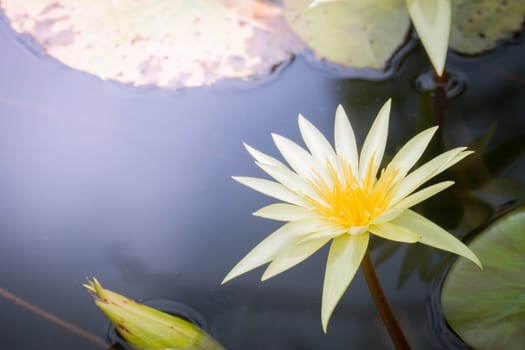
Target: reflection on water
(134, 187)
(453, 84)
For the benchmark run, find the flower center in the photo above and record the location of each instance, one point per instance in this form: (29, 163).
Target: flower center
(348, 201)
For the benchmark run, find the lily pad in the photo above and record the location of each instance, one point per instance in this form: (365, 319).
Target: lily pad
(477, 25)
(172, 43)
(486, 308)
(360, 33)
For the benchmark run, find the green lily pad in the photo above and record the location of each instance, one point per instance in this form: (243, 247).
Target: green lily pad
(360, 33)
(477, 25)
(486, 308)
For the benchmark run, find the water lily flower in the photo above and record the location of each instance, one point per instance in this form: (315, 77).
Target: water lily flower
(144, 327)
(335, 195)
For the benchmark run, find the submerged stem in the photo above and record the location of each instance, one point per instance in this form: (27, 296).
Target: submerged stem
(395, 332)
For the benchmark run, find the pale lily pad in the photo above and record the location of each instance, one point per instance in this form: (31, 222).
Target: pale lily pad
(331, 27)
(486, 308)
(478, 25)
(360, 33)
(173, 43)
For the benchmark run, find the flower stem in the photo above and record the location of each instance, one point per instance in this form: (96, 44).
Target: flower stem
(440, 80)
(396, 334)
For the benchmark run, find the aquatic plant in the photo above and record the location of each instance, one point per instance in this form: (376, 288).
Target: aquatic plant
(366, 33)
(487, 309)
(144, 327)
(432, 21)
(334, 195)
(165, 43)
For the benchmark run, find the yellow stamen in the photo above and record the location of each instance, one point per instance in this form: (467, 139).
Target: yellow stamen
(348, 201)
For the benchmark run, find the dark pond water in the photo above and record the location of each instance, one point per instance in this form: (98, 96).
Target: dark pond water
(134, 186)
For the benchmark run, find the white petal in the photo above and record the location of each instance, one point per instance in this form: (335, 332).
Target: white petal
(427, 171)
(264, 158)
(283, 175)
(292, 181)
(386, 216)
(375, 142)
(410, 153)
(284, 212)
(272, 189)
(345, 144)
(452, 162)
(306, 226)
(344, 258)
(422, 195)
(357, 230)
(264, 252)
(434, 236)
(299, 159)
(324, 232)
(432, 21)
(394, 232)
(291, 257)
(273, 245)
(319, 147)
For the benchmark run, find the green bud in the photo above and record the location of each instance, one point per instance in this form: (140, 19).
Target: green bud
(144, 327)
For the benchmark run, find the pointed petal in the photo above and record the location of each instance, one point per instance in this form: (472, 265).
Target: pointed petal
(263, 252)
(435, 236)
(422, 195)
(273, 245)
(263, 158)
(452, 162)
(432, 21)
(428, 170)
(394, 232)
(304, 227)
(410, 153)
(388, 215)
(325, 232)
(345, 144)
(375, 142)
(284, 212)
(272, 189)
(344, 258)
(318, 145)
(292, 181)
(358, 230)
(291, 257)
(297, 157)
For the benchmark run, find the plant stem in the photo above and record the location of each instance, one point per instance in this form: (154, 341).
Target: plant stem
(395, 332)
(440, 80)
(54, 319)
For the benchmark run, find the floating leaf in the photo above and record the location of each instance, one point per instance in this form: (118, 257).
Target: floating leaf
(477, 25)
(173, 43)
(432, 21)
(147, 328)
(318, 2)
(487, 307)
(466, 26)
(360, 33)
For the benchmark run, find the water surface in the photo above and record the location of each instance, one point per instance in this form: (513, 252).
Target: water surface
(134, 186)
